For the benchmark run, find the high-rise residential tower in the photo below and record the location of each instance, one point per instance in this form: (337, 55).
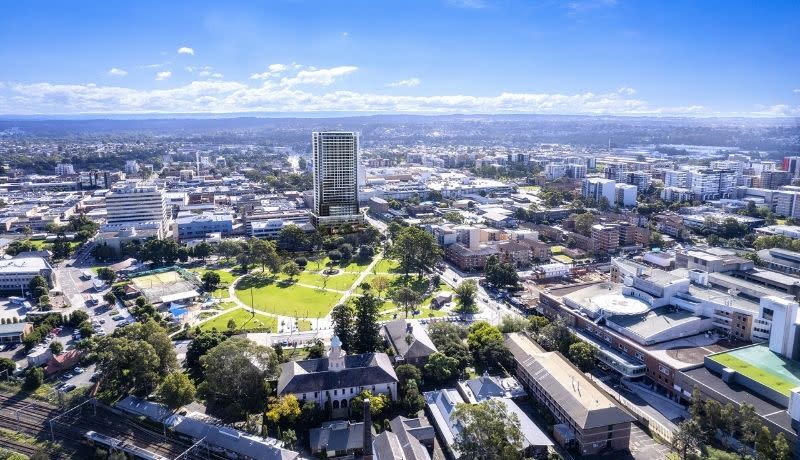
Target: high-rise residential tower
(335, 156)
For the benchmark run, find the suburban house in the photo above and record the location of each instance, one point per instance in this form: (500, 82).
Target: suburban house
(409, 341)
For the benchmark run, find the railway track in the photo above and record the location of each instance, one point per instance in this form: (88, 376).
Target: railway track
(32, 417)
(18, 447)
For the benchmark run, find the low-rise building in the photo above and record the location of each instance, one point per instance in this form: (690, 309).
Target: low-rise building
(587, 417)
(409, 341)
(338, 378)
(17, 273)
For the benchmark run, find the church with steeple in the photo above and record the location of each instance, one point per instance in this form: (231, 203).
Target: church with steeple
(338, 378)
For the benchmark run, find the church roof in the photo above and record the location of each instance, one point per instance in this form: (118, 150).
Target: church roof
(313, 374)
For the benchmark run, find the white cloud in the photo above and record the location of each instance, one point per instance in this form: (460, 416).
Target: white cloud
(345, 34)
(796, 91)
(407, 83)
(189, 68)
(777, 110)
(294, 91)
(115, 72)
(186, 50)
(158, 65)
(272, 70)
(314, 76)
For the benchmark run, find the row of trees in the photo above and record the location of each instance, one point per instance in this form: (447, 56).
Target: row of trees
(710, 421)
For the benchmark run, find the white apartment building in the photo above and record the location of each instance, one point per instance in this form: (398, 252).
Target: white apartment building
(708, 184)
(596, 188)
(64, 169)
(625, 195)
(576, 171)
(335, 158)
(131, 167)
(131, 204)
(675, 178)
(553, 171)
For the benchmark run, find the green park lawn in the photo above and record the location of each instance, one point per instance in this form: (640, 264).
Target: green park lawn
(288, 299)
(339, 282)
(303, 325)
(225, 279)
(244, 321)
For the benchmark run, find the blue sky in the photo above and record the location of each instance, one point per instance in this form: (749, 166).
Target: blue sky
(437, 56)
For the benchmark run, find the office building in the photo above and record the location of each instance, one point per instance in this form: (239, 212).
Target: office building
(188, 226)
(335, 157)
(131, 204)
(17, 273)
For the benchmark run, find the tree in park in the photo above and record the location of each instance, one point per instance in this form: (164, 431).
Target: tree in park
(106, 274)
(335, 256)
(38, 286)
(488, 431)
(231, 325)
(380, 283)
(202, 250)
(292, 238)
(407, 298)
(229, 249)
(56, 347)
(367, 310)
(441, 368)
(416, 250)
(291, 269)
(343, 324)
(582, 355)
(687, 439)
(200, 345)
(211, 280)
(465, 295)
(236, 372)
(176, 391)
(365, 253)
(263, 253)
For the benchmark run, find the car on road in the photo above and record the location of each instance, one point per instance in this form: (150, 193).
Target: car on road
(118, 317)
(68, 376)
(68, 387)
(78, 370)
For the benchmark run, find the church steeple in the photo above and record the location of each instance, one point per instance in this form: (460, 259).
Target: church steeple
(336, 355)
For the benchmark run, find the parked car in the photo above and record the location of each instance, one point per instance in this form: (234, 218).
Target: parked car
(68, 387)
